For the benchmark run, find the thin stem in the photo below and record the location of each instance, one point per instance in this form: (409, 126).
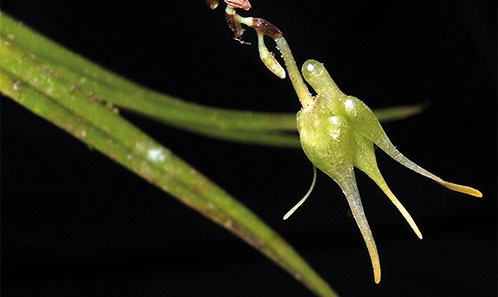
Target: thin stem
(294, 74)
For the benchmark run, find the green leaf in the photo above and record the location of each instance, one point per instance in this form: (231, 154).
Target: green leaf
(78, 104)
(274, 129)
(78, 96)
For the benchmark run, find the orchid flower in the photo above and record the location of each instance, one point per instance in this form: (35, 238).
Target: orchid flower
(337, 132)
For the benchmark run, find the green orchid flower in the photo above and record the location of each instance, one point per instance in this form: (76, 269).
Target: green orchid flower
(338, 132)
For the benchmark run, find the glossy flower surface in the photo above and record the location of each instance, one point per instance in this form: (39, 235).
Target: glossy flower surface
(338, 133)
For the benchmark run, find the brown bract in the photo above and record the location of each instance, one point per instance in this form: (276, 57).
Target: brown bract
(264, 27)
(244, 4)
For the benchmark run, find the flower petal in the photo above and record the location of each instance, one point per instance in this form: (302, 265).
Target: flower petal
(350, 190)
(398, 156)
(365, 161)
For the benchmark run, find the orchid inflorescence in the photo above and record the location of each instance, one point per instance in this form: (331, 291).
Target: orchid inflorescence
(337, 132)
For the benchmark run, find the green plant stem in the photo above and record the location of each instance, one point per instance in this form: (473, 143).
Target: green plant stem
(294, 74)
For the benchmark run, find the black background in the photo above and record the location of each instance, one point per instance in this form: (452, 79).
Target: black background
(76, 224)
